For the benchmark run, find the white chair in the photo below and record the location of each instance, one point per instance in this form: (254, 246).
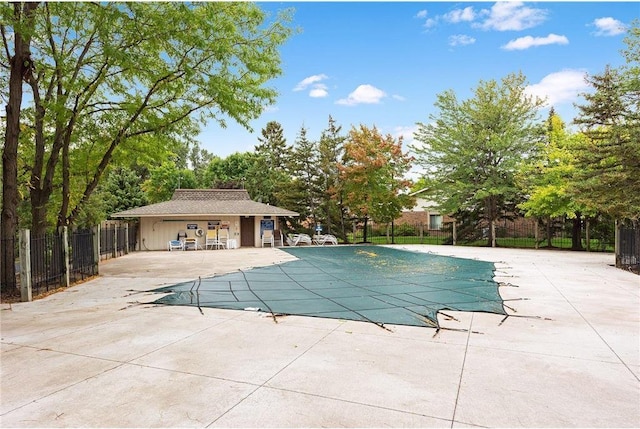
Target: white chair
(324, 239)
(223, 237)
(267, 237)
(212, 241)
(175, 245)
(190, 243)
(295, 239)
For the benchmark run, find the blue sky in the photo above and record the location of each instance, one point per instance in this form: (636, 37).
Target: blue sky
(383, 63)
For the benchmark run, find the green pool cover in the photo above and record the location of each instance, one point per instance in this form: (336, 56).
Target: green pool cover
(367, 283)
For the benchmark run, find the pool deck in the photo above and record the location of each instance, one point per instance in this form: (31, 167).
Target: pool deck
(99, 355)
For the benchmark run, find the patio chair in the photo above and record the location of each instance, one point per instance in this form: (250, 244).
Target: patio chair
(175, 245)
(212, 241)
(190, 243)
(278, 240)
(325, 239)
(223, 237)
(267, 237)
(295, 239)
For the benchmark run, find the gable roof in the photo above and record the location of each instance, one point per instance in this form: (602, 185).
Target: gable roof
(209, 202)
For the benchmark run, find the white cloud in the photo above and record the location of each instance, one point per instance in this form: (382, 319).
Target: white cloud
(512, 15)
(304, 83)
(609, 27)
(318, 91)
(363, 94)
(430, 23)
(398, 97)
(562, 87)
(460, 15)
(422, 14)
(527, 42)
(461, 40)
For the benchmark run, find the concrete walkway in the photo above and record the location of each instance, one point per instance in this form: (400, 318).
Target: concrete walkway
(98, 355)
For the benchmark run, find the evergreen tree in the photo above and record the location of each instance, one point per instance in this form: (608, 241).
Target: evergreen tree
(269, 174)
(331, 211)
(608, 161)
(303, 195)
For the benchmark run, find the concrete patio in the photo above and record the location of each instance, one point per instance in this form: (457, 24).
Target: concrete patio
(99, 355)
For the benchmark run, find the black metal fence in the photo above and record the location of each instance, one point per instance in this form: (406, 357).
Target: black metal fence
(82, 257)
(117, 239)
(56, 260)
(628, 252)
(47, 262)
(520, 233)
(11, 243)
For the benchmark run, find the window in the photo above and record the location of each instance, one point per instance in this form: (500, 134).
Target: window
(435, 221)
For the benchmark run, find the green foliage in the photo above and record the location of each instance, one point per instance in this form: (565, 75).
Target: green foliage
(546, 177)
(107, 74)
(165, 179)
(608, 160)
(331, 212)
(229, 172)
(122, 190)
(471, 149)
(303, 195)
(269, 175)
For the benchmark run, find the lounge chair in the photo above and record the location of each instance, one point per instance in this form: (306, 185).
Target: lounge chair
(175, 245)
(295, 239)
(267, 237)
(321, 240)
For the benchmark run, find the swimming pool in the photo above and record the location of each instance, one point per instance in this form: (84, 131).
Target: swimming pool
(368, 283)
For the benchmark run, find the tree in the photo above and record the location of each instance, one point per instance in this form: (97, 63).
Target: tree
(609, 159)
(165, 179)
(303, 194)
(230, 172)
(20, 65)
(269, 176)
(102, 74)
(471, 149)
(332, 211)
(372, 175)
(546, 180)
(122, 190)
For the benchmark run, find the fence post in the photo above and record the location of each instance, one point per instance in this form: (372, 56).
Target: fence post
(455, 234)
(616, 240)
(25, 266)
(65, 255)
(114, 253)
(96, 248)
(421, 233)
(535, 233)
(126, 238)
(587, 234)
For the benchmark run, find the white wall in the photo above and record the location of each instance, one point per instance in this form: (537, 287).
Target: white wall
(156, 232)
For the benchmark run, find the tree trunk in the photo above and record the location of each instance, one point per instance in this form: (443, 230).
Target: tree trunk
(549, 232)
(491, 207)
(364, 235)
(576, 233)
(20, 67)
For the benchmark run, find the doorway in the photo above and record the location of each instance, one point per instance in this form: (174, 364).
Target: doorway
(247, 228)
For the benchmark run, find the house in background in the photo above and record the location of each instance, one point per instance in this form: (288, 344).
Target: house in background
(195, 211)
(424, 212)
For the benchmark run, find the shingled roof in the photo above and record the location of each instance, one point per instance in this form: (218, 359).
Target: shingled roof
(207, 202)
